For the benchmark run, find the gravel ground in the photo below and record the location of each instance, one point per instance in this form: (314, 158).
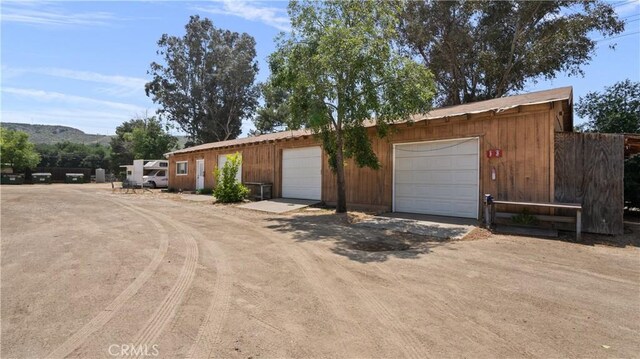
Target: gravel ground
(87, 273)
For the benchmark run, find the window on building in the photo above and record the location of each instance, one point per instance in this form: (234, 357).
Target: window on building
(181, 168)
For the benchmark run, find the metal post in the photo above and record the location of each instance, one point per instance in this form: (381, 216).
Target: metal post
(578, 224)
(488, 203)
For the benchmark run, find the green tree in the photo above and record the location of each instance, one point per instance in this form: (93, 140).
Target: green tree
(16, 151)
(616, 110)
(207, 83)
(71, 154)
(141, 138)
(228, 189)
(341, 69)
(272, 115)
(480, 50)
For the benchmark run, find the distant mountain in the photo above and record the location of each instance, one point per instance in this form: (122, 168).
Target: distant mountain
(49, 134)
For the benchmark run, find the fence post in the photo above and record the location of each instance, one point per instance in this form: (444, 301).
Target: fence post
(578, 224)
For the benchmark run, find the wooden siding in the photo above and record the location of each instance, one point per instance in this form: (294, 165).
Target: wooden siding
(590, 171)
(523, 173)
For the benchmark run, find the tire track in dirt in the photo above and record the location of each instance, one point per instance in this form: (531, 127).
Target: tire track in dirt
(329, 301)
(411, 346)
(209, 331)
(95, 324)
(167, 309)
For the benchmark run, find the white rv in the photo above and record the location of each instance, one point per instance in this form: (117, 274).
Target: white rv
(156, 173)
(150, 173)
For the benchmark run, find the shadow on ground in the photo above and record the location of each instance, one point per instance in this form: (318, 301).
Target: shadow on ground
(360, 244)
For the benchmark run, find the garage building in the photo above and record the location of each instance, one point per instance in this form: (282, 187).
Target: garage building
(440, 163)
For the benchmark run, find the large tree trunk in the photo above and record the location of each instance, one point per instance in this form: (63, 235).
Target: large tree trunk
(341, 205)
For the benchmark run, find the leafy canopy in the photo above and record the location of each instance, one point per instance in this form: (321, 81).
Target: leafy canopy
(141, 138)
(16, 151)
(480, 50)
(71, 154)
(272, 116)
(615, 110)
(340, 68)
(206, 84)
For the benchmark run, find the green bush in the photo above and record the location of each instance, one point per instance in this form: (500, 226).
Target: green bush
(632, 182)
(227, 189)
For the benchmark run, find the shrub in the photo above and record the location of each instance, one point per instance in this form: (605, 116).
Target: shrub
(227, 189)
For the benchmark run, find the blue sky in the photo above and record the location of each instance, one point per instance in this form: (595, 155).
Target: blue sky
(84, 63)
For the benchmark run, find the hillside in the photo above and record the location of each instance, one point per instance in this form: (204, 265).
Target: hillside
(49, 134)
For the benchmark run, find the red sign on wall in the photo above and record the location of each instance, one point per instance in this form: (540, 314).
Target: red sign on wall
(495, 153)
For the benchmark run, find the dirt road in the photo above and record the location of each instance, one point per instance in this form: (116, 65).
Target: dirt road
(88, 273)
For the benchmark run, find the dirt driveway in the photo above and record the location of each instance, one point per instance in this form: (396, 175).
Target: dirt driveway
(87, 273)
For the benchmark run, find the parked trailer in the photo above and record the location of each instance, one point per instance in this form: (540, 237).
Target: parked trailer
(151, 173)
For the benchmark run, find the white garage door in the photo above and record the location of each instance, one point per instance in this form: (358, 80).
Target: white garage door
(437, 177)
(302, 173)
(222, 159)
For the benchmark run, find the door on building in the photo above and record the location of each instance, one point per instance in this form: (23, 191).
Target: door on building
(437, 177)
(199, 174)
(302, 173)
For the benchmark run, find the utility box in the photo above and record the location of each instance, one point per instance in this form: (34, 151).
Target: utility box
(9, 178)
(42, 178)
(74, 178)
(100, 176)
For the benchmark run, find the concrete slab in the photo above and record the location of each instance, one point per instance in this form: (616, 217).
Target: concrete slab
(279, 205)
(433, 218)
(420, 227)
(197, 197)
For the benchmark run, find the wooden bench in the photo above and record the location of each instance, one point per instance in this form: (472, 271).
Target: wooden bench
(575, 206)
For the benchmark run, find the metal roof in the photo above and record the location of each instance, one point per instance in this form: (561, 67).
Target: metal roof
(497, 105)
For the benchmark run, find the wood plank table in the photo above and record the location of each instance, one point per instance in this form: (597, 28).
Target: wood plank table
(575, 206)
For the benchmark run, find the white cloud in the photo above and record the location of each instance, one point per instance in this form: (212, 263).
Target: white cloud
(123, 86)
(44, 13)
(253, 11)
(57, 97)
(54, 108)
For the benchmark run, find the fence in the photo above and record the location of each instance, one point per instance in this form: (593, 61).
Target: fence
(589, 169)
